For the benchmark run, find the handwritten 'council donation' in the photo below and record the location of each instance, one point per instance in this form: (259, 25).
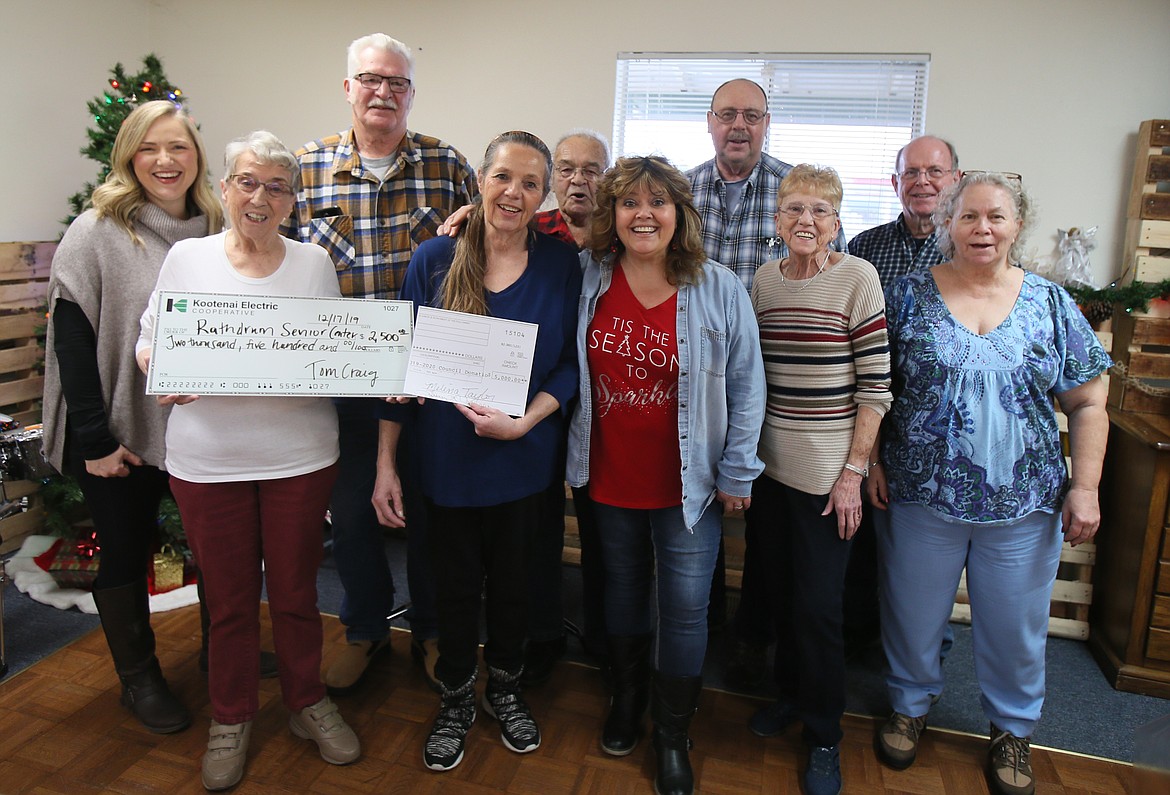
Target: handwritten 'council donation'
(212, 344)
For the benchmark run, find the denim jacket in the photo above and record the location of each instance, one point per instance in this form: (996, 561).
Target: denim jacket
(721, 395)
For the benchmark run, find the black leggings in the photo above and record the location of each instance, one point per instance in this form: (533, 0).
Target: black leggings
(125, 516)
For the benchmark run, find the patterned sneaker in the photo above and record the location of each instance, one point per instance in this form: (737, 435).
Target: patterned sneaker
(896, 743)
(444, 746)
(503, 701)
(1009, 769)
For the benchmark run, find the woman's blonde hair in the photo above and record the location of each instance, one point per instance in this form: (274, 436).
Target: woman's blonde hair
(815, 180)
(121, 196)
(462, 288)
(685, 255)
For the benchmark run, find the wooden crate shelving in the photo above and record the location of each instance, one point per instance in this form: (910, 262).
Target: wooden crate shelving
(1142, 345)
(1147, 233)
(24, 281)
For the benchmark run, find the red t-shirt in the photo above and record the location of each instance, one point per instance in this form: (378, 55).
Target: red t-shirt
(633, 363)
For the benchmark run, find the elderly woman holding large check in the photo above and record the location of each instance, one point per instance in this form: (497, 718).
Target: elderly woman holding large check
(483, 471)
(252, 475)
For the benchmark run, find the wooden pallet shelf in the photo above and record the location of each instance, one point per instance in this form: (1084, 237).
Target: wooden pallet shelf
(24, 282)
(1147, 231)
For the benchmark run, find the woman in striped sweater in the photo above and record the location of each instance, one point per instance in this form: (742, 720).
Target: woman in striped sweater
(827, 364)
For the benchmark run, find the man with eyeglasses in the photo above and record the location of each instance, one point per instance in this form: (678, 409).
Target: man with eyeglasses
(735, 192)
(370, 195)
(736, 196)
(924, 168)
(579, 160)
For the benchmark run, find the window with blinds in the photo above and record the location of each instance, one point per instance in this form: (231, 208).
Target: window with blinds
(851, 112)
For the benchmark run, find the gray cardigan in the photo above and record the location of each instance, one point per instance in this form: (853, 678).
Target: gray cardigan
(98, 267)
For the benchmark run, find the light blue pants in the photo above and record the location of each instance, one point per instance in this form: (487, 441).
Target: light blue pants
(1010, 572)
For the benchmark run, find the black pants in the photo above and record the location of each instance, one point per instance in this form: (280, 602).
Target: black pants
(125, 516)
(807, 559)
(481, 552)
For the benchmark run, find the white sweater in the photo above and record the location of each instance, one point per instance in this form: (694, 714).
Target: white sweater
(230, 438)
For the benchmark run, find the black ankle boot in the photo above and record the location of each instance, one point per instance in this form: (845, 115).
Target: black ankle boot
(125, 614)
(629, 658)
(268, 666)
(673, 705)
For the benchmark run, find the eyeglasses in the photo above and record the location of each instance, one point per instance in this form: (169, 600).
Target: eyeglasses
(249, 185)
(819, 211)
(398, 85)
(588, 172)
(750, 115)
(934, 172)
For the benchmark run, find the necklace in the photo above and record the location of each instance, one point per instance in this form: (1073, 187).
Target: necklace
(809, 280)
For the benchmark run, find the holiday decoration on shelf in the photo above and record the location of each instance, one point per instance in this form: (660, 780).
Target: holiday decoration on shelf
(1072, 266)
(1098, 305)
(122, 95)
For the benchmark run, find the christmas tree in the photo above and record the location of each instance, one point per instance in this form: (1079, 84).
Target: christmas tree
(110, 110)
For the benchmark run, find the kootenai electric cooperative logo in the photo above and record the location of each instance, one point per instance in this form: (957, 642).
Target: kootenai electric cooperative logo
(176, 306)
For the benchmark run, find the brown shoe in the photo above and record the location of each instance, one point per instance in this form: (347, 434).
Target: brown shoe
(1009, 767)
(897, 740)
(426, 654)
(351, 664)
(323, 724)
(227, 750)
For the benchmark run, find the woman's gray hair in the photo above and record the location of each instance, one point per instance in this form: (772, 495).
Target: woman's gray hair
(379, 41)
(949, 200)
(268, 150)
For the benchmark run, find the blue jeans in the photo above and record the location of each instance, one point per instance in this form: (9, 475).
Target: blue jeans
(358, 547)
(632, 540)
(1010, 572)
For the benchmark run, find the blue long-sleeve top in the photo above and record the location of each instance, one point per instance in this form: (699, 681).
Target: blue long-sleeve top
(458, 468)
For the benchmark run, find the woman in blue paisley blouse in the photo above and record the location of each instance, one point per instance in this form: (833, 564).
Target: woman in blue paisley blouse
(973, 473)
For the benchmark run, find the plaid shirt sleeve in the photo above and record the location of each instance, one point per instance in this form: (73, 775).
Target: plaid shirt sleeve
(745, 239)
(890, 250)
(551, 222)
(370, 228)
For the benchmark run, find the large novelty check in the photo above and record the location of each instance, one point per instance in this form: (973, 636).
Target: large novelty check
(215, 344)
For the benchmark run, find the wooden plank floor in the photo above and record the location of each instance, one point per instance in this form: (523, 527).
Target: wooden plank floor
(63, 731)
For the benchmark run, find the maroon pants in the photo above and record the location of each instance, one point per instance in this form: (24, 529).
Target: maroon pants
(234, 529)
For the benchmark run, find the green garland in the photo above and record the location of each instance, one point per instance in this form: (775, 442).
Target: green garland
(1135, 295)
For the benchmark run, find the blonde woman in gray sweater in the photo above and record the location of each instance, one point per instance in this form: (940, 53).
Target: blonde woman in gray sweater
(100, 426)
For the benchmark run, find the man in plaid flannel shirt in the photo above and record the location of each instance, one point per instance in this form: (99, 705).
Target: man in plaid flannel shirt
(369, 197)
(924, 168)
(735, 192)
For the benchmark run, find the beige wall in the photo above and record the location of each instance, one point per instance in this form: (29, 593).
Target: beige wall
(1055, 91)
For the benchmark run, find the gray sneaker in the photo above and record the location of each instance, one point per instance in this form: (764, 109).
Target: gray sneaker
(502, 700)
(1009, 767)
(444, 747)
(896, 743)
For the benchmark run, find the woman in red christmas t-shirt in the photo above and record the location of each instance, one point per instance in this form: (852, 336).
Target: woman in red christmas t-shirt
(665, 435)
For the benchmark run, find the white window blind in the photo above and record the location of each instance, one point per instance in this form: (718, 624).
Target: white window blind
(851, 112)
